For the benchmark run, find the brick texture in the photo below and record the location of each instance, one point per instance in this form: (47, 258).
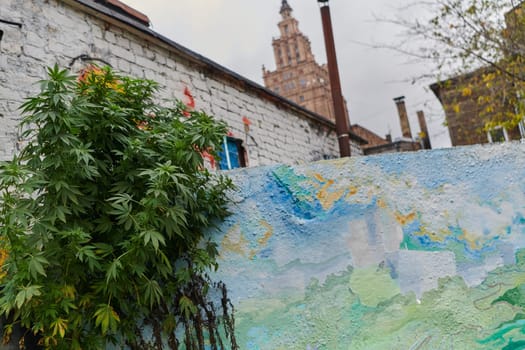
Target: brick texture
(466, 118)
(56, 31)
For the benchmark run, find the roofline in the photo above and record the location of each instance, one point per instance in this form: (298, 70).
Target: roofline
(436, 87)
(521, 4)
(395, 144)
(128, 10)
(203, 62)
(358, 138)
(368, 130)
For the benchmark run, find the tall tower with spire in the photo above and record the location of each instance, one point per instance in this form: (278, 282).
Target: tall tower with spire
(298, 77)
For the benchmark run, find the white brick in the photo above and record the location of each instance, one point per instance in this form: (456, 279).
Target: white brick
(123, 42)
(122, 53)
(171, 63)
(109, 36)
(281, 135)
(146, 63)
(124, 66)
(136, 47)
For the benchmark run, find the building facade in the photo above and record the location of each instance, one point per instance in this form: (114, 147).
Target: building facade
(73, 33)
(479, 102)
(298, 77)
(468, 112)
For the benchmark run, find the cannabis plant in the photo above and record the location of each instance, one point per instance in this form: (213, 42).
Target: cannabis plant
(102, 219)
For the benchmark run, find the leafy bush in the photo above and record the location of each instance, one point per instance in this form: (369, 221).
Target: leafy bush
(103, 216)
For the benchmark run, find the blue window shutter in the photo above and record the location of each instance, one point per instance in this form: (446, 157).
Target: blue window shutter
(229, 154)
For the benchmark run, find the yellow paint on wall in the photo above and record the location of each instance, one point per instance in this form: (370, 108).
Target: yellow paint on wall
(405, 219)
(267, 235)
(263, 241)
(471, 239)
(234, 241)
(319, 178)
(352, 191)
(434, 236)
(326, 197)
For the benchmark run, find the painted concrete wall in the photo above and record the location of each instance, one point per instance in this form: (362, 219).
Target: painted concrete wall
(404, 251)
(56, 31)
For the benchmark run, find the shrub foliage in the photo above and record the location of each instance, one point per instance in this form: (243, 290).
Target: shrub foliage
(103, 214)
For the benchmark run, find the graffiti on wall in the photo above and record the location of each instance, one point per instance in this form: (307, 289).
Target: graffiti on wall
(408, 251)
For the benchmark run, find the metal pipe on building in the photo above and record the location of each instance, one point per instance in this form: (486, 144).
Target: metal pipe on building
(342, 123)
(403, 117)
(425, 137)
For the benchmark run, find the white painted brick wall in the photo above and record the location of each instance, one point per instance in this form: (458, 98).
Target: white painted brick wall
(55, 32)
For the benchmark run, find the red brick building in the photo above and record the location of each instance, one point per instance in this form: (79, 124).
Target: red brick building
(298, 77)
(475, 100)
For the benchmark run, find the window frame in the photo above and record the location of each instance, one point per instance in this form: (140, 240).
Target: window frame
(241, 153)
(497, 128)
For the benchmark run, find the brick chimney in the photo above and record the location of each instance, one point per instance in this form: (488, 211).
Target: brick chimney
(425, 137)
(403, 117)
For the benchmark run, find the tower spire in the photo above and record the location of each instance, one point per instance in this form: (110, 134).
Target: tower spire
(286, 9)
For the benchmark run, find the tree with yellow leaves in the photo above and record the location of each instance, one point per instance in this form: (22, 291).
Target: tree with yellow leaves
(476, 47)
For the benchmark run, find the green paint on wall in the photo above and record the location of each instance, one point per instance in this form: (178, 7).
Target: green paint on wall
(293, 183)
(373, 285)
(345, 312)
(514, 296)
(519, 345)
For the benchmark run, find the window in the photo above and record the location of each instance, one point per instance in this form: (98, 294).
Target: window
(521, 126)
(286, 28)
(232, 155)
(301, 98)
(303, 82)
(497, 134)
(289, 86)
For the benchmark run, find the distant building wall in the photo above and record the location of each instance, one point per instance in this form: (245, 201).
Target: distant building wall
(464, 101)
(298, 77)
(57, 31)
(371, 137)
(402, 145)
(417, 250)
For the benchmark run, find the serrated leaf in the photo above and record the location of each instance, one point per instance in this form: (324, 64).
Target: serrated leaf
(113, 270)
(26, 294)
(187, 307)
(106, 318)
(59, 326)
(36, 266)
(155, 237)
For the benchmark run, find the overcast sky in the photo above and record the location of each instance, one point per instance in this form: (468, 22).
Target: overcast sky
(238, 34)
